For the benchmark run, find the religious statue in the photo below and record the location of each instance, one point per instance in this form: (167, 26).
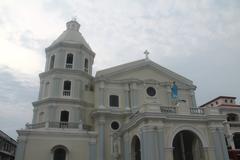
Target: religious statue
(116, 151)
(174, 90)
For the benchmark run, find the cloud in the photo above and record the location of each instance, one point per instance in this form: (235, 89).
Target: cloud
(15, 100)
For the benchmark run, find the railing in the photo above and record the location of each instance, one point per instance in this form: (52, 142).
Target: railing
(68, 125)
(66, 92)
(68, 65)
(165, 109)
(64, 125)
(234, 124)
(85, 69)
(36, 125)
(196, 111)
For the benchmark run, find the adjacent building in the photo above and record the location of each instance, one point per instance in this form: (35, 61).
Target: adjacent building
(7, 147)
(227, 106)
(134, 111)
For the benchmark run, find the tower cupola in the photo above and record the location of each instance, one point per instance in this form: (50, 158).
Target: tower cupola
(73, 25)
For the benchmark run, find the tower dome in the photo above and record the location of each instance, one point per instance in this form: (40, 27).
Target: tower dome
(71, 35)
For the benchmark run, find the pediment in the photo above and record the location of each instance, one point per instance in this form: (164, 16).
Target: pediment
(142, 70)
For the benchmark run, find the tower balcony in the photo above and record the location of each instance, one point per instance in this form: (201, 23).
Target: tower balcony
(69, 65)
(59, 125)
(66, 92)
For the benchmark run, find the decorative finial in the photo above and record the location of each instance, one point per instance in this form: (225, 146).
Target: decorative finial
(74, 18)
(146, 54)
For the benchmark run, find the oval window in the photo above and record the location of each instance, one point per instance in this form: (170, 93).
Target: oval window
(151, 91)
(115, 125)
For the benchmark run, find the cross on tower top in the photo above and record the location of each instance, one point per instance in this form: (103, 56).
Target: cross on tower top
(146, 54)
(74, 18)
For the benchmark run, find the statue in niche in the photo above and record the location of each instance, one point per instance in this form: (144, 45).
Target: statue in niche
(116, 151)
(174, 93)
(174, 90)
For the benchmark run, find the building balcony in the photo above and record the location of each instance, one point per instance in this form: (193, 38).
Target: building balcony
(59, 125)
(69, 66)
(66, 92)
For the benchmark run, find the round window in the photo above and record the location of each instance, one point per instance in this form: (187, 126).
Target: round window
(151, 91)
(115, 125)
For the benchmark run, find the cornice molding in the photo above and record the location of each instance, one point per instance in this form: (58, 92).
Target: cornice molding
(62, 101)
(65, 72)
(57, 133)
(141, 117)
(69, 45)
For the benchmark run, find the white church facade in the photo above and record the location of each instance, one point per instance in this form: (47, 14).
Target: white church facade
(135, 111)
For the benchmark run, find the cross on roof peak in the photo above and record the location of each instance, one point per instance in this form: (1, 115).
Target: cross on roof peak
(146, 54)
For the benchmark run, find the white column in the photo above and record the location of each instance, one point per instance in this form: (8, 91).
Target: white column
(133, 93)
(219, 144)
(223, 143)
(149, 143)
(92, 149)
(161, 144)
(126, 94)
(169, 153)
(101, 95)
(127, 147)
(41, 89)
(194, 104)
(101, 139)
(34, 120)
(205, 149)
(20, 151)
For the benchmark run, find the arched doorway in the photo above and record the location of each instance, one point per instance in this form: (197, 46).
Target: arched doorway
(187, 146)
(135, 149)
(59, 152)
(236, 139)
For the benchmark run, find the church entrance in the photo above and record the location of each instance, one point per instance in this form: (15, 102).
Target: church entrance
(135, 149)
(187, 146)
(236, 138)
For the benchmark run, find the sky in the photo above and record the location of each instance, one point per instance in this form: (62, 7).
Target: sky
(199, 39)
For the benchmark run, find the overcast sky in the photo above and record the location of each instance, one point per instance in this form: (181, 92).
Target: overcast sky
(199, 39)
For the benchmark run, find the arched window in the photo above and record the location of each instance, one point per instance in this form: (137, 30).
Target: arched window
(113, 101)
(135, 148)
(52, 59)
(60, 153)
(69, 61)
(86, 65)
(232, 117)
(64, 118)
(67, 88)
(46, 90)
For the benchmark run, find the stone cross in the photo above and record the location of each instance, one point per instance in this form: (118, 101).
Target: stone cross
(146, 53)
(74, 18)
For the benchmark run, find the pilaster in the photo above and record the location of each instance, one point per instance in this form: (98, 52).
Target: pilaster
(20, 152)
(101, 139)
(161, 144)
(92, 149)
(133, 95)
(127, 153)
(149, 143)
(101, 95)
(220, 147)
(126, 94)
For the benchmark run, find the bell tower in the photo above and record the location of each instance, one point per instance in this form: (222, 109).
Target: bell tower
(66, 85)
